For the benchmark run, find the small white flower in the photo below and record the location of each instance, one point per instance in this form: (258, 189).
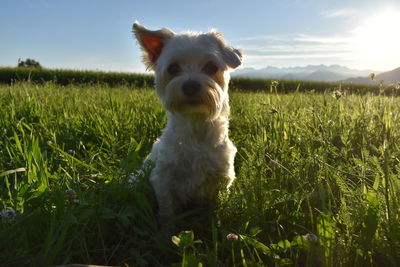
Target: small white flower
(232, 237)
(8, 215)
(337, 94)
(310, 238)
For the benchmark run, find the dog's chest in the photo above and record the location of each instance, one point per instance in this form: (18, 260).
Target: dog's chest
(194, 168)
(193, 158)
(199, 170)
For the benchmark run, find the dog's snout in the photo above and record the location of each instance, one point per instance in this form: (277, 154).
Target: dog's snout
(190, 88)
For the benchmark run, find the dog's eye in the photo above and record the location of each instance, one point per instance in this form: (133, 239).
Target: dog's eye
(210, 68)
(174, 69)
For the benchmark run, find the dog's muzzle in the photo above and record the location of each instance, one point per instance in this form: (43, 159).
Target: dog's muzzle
(191, 89)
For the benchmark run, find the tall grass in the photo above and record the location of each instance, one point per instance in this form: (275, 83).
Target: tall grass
(317, 181)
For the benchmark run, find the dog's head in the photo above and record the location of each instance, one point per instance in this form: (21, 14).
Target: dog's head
(191, 69)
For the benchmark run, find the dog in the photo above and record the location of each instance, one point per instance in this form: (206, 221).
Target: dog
(194, 158)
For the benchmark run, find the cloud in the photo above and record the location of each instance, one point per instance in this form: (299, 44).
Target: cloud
(338, 13)
(296, 56)
(297, 49)
(330, 39)
(297, 44)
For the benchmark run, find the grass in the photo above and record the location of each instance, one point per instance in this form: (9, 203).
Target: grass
(317, 181)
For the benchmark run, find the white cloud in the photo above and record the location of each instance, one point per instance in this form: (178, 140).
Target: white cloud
(289, 50)
(338, 13)
(331, 39)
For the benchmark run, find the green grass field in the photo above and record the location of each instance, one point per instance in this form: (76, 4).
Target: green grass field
(317, 181)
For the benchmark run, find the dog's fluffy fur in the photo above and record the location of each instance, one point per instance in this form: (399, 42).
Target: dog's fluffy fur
(193, 158)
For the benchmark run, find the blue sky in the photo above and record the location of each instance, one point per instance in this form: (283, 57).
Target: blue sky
(96, 34)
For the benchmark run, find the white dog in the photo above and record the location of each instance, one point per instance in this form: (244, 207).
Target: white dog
(193, 158)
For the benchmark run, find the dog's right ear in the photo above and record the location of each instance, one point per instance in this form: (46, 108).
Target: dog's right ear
(151, 42)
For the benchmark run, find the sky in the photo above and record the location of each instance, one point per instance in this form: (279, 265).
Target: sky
(96, 34)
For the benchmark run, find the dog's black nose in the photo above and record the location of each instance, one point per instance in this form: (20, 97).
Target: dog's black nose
(190, 88)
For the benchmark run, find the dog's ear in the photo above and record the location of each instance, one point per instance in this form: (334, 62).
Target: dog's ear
(151, 42)
(231, 55)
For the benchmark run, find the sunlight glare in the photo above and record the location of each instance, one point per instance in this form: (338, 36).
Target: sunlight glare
(377, 40)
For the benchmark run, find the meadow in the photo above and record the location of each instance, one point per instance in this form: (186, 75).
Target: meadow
(317, 180)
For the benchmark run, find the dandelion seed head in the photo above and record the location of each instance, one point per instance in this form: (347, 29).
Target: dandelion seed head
(372, 76)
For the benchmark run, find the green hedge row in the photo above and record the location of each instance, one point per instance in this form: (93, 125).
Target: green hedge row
(287, 86)
(64, 77)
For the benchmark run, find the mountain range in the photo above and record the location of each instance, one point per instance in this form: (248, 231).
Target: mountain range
(326, 73)
(387, 77)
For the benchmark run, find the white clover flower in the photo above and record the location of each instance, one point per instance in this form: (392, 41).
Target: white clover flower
(8, 215)
(232, 237)
(310, 238)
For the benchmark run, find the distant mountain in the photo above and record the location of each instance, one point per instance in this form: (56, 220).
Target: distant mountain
(311, 72)
(361, 80)
(322, 75)
(388, 77)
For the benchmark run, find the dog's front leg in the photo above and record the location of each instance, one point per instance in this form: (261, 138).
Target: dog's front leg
(166, 206)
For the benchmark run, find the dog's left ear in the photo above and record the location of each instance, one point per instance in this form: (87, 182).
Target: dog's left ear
(231, 55)
(151, 42)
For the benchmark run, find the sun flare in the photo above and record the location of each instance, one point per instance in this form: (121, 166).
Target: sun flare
(377, 39)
